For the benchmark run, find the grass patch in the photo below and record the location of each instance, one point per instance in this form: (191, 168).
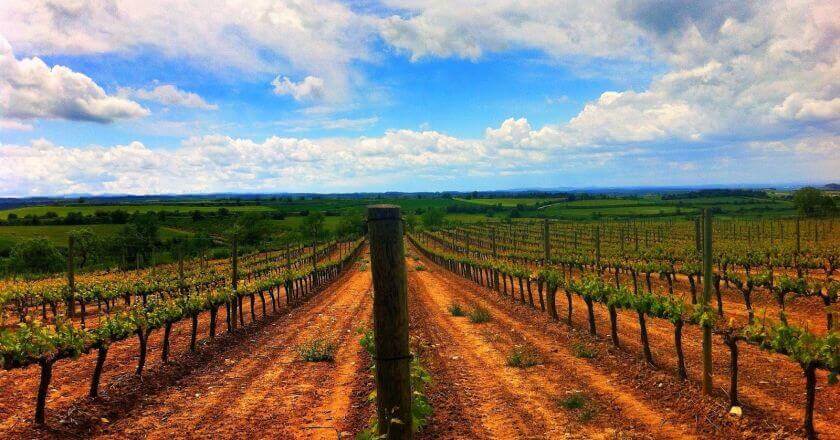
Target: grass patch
(456, 310)
(582, 351)
(579, 403)
(317, 350)
(419, 268)
(479, 315)
(523, 356)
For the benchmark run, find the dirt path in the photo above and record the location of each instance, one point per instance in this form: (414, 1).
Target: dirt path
(652, 399)
(511, 402)
(124, 396)
(261, 389)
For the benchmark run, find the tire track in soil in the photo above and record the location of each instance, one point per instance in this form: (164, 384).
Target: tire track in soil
(531, 396)
(646, 419)
(496, 395)
(71, 413)
(260, 390)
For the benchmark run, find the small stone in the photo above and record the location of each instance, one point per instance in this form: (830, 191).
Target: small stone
(735, 411)
(104, 420)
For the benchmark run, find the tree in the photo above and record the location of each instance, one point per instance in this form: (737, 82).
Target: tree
(36, 255)
(433, 217)
(251, 228)
(350, 223)
(812, 202)
(312, 227)
(86, 244)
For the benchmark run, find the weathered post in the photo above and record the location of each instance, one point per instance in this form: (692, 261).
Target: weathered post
(546, 242)
(798, 237)
(390, 321)
(598, 248)
(698, 241)
(234, 282)
(71, 277)
(707, 295)
(181, 283)
(493, 238)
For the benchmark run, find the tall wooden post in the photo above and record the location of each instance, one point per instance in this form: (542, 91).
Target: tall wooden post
(798, 237)
(181, 283)
(390, 321)
(71, 277)
(707, 295)
(234, 282)
(598, 248)
(546, 241)
(698, 241)
(493, 238)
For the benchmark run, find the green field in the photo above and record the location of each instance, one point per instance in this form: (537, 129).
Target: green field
(58, 234)
(505, 202)
(62, 210)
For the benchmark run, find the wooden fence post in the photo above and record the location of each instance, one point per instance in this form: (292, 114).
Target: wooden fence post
(390, 321)
(71, 277)
(707, 295)
(234, 282)
(546, 241)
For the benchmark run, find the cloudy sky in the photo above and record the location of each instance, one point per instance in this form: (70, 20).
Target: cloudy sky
(177, 96)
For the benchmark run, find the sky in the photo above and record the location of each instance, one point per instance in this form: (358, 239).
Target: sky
(188, 96)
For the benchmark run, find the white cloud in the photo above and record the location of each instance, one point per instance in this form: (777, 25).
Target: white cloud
(425, 159)
(11, 124)
(30, 89)
(311, 88)
(735, 70)
(168, 94)
(469, 29)
(317, 37)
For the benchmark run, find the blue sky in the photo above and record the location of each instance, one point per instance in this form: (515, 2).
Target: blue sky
(130, 96)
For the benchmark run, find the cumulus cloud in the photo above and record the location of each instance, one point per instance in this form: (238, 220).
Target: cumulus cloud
(733, 70)
(426, 159)
(168, 94)
(469, 29)
(30, 89)
(318, 37)
(310, 88)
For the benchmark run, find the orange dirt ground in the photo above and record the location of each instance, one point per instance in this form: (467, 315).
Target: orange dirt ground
(250, 384)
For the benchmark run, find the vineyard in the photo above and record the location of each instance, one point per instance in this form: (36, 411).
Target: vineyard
(531, 328)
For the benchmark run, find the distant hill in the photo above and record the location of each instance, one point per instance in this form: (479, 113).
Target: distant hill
(832, 187)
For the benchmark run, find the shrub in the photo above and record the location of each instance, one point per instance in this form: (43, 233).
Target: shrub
(578, 402)
(317, 350)
(419, 268)
(456, 310)
(523, 356)
(479, 315)
(582, 351)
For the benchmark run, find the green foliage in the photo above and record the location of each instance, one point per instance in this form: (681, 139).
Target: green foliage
(456, 310)
(317, 350)
(479, 315)
(34, 340)
(523, 356)
(799, 344)
(312, 227)
(812, 202)
(421, 408)
(581, 350)
(36, 255)
(575, 400)
(433, 218)
(578, 402)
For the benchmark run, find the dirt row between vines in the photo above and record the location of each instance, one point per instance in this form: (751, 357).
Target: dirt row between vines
(248, 383)
(772, 387)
